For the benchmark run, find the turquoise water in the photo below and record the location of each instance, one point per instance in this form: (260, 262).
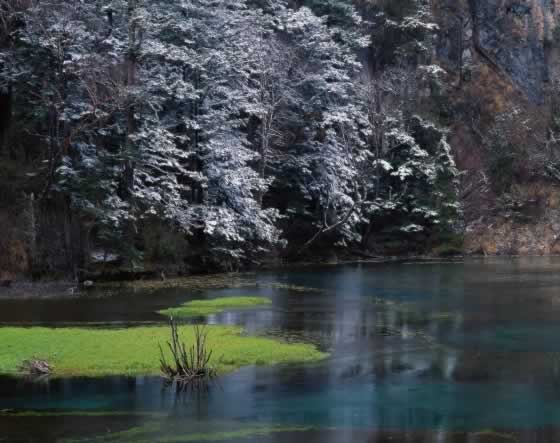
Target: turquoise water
(424, 351)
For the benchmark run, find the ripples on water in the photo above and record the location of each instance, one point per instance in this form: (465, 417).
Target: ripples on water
(461, 351)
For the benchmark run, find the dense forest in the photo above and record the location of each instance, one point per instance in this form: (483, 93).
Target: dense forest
(190, 135)
(212, 134)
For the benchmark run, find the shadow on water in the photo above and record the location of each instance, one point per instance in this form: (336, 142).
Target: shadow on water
(462, 351)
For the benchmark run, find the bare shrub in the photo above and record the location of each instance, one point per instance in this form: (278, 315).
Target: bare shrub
(187, 367)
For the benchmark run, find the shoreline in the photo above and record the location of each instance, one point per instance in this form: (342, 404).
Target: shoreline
(26, 288)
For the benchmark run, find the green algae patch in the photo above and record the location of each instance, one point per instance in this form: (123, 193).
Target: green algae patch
(135, 351)
(166, 433)
(199, 308)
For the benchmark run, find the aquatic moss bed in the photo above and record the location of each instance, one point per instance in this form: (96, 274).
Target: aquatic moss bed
(165, 432)
(287, 433)
(135, 351)
(14, 413)
(197, 308)
(192, 283)
(206, 282)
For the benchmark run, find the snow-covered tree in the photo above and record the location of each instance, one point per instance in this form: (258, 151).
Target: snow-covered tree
(66, 52)
(413, 186)
(226, 122)
(320, 164)
(236, 226)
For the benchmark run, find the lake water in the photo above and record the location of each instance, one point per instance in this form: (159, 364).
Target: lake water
(464, 351)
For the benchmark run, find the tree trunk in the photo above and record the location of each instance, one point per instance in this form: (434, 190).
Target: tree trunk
(262, 160)
(131, 62)
(5, 116)
(31, 232)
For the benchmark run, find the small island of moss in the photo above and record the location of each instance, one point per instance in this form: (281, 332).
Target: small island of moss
(200, 308)
(135, 351)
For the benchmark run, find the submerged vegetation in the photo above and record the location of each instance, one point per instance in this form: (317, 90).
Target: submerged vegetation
(190, 432)
(488, 435)
(191, 283)
(197, 308)
(133, 351)
(204, 283)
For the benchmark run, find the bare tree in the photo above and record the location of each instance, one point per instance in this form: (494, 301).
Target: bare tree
(275, 95)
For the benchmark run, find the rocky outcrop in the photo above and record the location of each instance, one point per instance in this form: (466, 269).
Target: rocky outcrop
(514, 37)
(503, 55)
(529, 225)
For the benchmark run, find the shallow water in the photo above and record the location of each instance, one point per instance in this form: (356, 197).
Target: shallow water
(448, 351)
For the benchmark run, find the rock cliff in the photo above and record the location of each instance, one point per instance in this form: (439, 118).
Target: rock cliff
(503, 55)
(514, 37)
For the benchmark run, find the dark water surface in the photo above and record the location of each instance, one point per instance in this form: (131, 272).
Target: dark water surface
(420, 352)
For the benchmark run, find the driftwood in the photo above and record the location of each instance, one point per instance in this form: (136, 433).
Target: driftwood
(187, 367)
(36, 367)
